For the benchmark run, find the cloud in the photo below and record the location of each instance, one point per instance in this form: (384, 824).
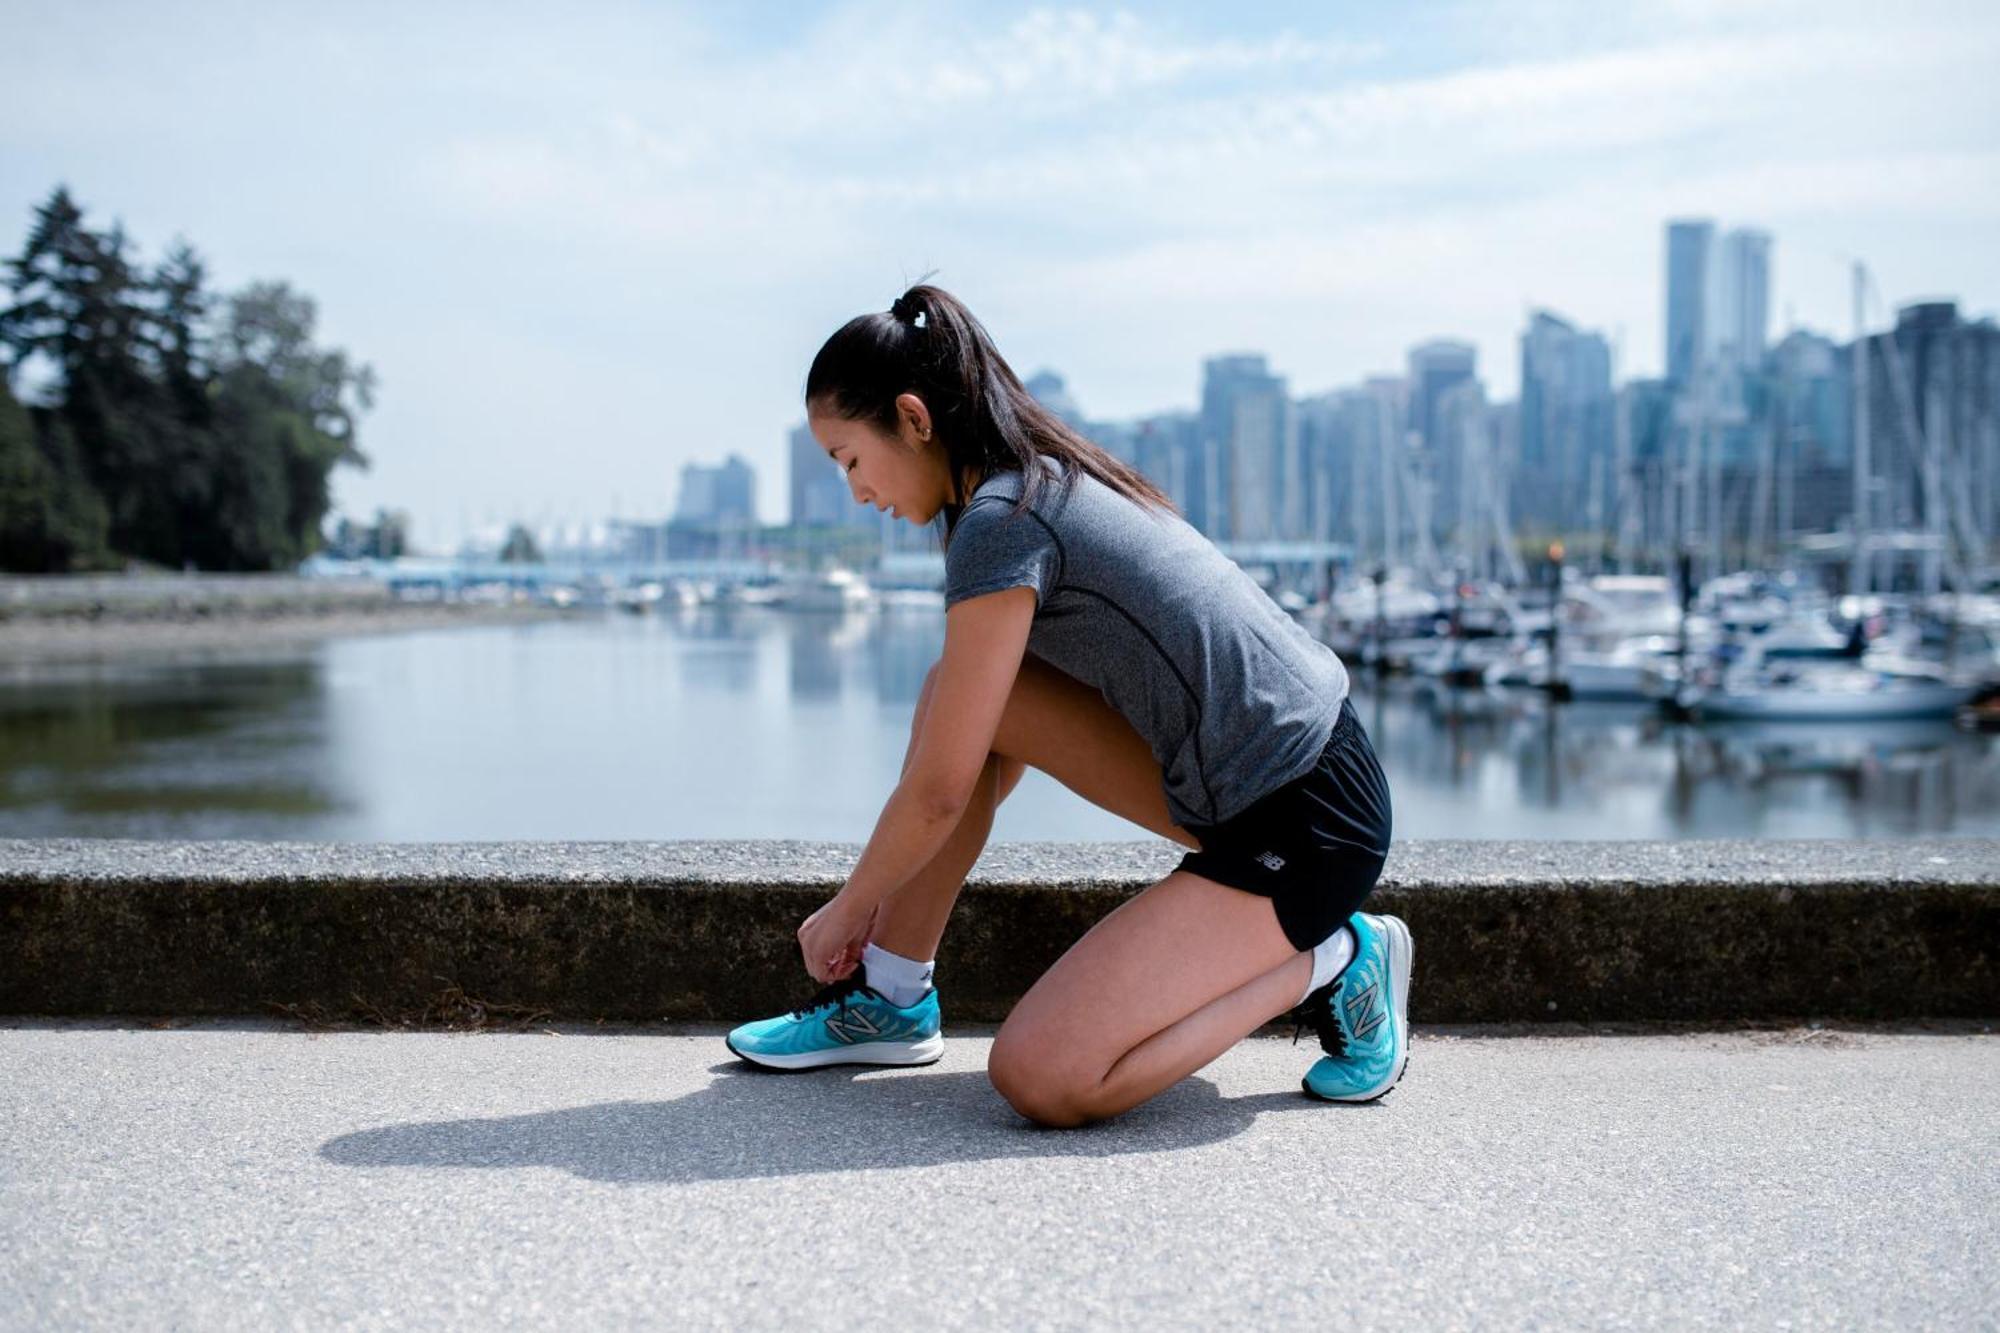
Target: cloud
(1117, 193)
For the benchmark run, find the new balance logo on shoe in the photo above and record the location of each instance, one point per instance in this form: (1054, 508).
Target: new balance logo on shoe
(1271, 860)
(851, 1025)
(1357, 1004)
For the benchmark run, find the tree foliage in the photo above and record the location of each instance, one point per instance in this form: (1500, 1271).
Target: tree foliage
(180, 428)
(520, 547)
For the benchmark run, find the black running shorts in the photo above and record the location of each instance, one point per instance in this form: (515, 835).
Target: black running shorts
(1315, 846)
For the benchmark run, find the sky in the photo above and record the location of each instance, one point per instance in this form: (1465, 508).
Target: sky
(584, 245)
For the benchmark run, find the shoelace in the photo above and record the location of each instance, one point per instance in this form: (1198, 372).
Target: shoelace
(1317, 1013)
(834, 992)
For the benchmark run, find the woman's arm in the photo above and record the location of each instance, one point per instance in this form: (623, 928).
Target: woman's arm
(985, 639)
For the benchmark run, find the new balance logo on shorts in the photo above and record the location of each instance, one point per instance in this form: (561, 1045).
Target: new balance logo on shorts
(1271, 860)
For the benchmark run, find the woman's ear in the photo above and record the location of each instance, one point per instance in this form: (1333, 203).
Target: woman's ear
(917, 415)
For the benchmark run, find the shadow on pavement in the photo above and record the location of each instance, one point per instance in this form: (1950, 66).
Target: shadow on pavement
(749, 1123)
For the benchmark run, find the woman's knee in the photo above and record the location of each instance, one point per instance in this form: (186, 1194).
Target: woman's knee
(1031, 1088)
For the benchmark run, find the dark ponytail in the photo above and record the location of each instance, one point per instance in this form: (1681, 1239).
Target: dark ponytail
(986, 419)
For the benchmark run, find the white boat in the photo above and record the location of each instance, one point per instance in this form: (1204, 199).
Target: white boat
(1805, 634)
(921, 599)
(1609, 607)
(1620, 634)
(1460, 660)
(1634, 669)
(640, 598)
(833, 589)
(1809, 689)
(746, 594)
(1403, 605)
(1631, 670)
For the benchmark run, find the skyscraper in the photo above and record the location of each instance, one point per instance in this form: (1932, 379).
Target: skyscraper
(725, 493)
(1690, 265)
(1718, 300)
(1564, 475)
(1739, 326)
(1167, 448)
(1048, 389)
(1248, 435)
(820, 495)
(1437, 369)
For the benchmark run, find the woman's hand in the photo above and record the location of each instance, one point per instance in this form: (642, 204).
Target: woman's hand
(832, 938)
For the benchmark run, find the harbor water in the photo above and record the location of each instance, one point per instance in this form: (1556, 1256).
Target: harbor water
(753, 722)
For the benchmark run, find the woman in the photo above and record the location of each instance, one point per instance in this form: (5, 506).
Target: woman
(1092, 633)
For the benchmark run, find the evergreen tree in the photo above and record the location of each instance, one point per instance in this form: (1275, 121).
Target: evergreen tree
(520, 547)
(173, 441)
(51, 521)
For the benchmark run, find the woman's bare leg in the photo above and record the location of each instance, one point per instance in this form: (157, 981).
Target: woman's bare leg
(1063, 728)
(1160, 987)
(911, 920)
(1156, 990)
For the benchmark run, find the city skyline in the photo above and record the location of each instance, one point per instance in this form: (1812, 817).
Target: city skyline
(1746, 447)
(615, 239)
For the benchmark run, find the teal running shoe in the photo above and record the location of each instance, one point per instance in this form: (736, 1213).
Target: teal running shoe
(847, 1023)
(1362, 1015)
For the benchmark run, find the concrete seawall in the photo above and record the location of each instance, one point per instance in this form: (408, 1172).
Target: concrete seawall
(1696, 931)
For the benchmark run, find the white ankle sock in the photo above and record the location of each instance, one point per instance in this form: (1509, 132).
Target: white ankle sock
(902, 981)
(1333, 953)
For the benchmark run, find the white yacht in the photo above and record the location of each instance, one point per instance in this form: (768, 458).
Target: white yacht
(1796, 673)
(834, 589)
(1620, 637)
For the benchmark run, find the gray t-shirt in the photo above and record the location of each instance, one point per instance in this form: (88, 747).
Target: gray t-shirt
(1233, 696)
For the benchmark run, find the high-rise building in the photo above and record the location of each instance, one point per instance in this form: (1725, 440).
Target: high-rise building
(1934, 453)
(1718, 300)
(1325, 468)
(819, 493)
(1048, 389)
(1467, 476)
(1436, 367)
(1690, 262)
(1167, 448)
(1563, 478)
(1371, 434)
(1740, 323)
(718, 494)
(1812, 448)
(1248, 440)
(1645, 514)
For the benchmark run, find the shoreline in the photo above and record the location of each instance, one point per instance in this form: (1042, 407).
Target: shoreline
(127, 634)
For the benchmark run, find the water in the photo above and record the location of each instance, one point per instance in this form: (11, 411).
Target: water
(759, 724)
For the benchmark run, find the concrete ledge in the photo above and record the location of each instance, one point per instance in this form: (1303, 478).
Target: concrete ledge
(705, 930)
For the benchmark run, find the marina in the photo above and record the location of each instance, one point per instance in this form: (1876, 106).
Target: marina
(728, 719)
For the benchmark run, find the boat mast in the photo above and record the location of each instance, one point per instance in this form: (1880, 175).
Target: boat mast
(1388, 435)
(1788, 465)
(1857, 574)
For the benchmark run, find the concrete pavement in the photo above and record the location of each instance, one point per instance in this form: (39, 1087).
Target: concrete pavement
(226, 1174)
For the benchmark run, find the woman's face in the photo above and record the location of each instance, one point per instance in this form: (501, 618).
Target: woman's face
(904, 474)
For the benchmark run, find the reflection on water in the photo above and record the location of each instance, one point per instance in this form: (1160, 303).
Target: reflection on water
(131, 752)
(1494, 765)
(747, 722)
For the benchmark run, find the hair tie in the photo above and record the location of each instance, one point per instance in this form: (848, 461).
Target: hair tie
(905, 309)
